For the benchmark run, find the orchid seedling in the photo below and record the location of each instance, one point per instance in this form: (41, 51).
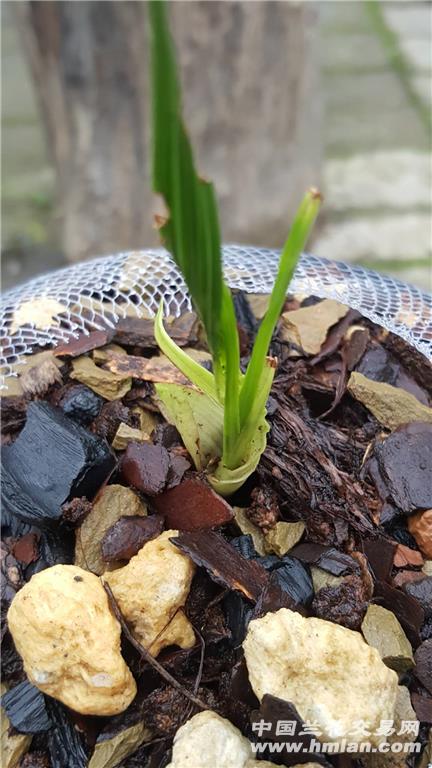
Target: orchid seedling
(222, 417)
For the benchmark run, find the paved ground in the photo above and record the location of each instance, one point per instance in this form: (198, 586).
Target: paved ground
(376, 77)
(377, 69)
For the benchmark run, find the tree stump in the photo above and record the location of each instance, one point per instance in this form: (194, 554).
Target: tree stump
(250, 77)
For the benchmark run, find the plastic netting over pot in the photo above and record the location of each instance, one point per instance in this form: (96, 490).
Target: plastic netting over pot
(97, 293)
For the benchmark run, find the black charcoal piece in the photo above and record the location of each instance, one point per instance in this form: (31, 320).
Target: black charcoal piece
(52, 460)
(269, 562)
(244, 546)
(238, 613)
(294, 578)
(65, 745)
(81, 404)
(26, 708)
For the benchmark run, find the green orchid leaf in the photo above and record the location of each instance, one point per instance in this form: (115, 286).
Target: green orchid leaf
(222, 422)
(189, 367)
(198, 418)
(227, 481)
(191, 231)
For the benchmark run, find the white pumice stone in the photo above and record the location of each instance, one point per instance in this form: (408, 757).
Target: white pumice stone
(328, 672)
(208, 740)
(69, 640)
(151, 591)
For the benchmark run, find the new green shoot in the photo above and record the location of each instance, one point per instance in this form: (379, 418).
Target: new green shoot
(235, 402)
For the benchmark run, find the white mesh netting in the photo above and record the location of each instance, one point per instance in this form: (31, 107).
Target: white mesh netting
(99, 292)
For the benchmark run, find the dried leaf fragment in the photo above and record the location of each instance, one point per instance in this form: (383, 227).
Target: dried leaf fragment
(390, 405)
(85, 342)
(307, 327)
(128, 535)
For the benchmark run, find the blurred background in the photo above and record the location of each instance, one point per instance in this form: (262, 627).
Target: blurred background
(278, 96)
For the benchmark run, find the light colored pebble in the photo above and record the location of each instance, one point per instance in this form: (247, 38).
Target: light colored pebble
(69, 640)
(382, 631)
(403, 712)
(283, 537)
(329, 673)
(151, 591)
(391, 406)
(322, 578)
(208, 740)
(248, 528)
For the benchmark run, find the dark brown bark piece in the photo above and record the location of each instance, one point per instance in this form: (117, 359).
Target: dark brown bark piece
(222, 562)
(264, 509)
(273, 710)
(379, 365)
(423, 664)
(343, 604)
(146, 467)
(192, 506)
(126, 537)
(328, 558)
(139, 332)
(110, 417)
(272, 598)
(178, 466)
(26, 548)
(422, 707)
(85, 342)
(13, 413)
(75, 511)
(301, 457)
(401, 467)
(421, 590)
(407, 609)
(379, 553)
